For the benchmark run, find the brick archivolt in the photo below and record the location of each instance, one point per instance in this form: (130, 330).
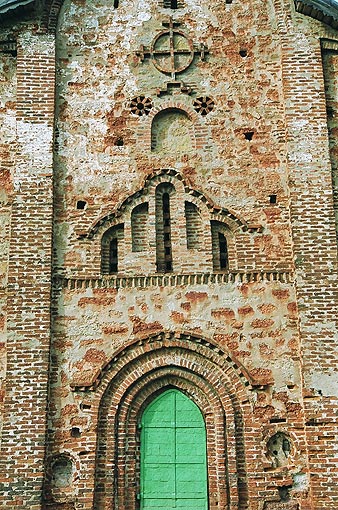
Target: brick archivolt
(137, 375)
(208, 209)
(199, 228)
(192, 343)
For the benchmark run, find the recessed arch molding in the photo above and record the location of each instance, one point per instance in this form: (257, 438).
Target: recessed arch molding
(168, 175)
(138, 346)
(137, 375)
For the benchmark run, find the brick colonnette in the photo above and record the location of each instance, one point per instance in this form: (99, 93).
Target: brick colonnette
(29, 275)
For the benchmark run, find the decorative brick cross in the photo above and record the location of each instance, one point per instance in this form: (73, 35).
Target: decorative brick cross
(171, 50)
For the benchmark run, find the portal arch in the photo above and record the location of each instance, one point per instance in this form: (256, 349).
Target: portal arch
(215, 389)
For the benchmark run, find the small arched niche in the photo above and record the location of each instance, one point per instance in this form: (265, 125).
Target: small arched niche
(172, 132)
(163, 210)
(111, 249)
(139, 227)
(219, 235)
(62, 472)
(194, 231)
(59, 483)
(279, 448)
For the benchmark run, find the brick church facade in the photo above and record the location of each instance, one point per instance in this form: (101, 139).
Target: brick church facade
(168, 255)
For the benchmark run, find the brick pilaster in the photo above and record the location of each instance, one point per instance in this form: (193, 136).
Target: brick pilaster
(315, 249)
(29, 276)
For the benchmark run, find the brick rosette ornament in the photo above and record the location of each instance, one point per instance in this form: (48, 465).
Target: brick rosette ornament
(204, 105)
(141, 105)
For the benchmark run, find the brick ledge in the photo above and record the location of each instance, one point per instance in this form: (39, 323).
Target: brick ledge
(172, 280)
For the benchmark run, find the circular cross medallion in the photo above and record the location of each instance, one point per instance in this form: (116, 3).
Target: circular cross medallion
(172, 51)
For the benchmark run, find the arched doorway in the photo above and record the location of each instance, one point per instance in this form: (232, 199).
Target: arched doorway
(173, 470)
(143, 372)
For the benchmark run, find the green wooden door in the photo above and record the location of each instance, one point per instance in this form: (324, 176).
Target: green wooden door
(173, 455)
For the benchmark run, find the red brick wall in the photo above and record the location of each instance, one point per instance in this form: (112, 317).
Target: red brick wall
(233, 171)
(254, 346)
(330, 68)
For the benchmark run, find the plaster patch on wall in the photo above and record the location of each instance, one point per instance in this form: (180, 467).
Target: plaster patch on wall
(37, 44)
(326, 383)
(304, 43)
(285, 370)
(203, 17)
(8, 126)
(300, 482)
(300, 157)
(35, 141)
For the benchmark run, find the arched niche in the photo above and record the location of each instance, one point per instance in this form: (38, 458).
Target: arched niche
(194, 226)
(139, 227)
(163, 213)
(220, 234)
(278, 449)
(111, 246)
(172, 132)
(59, 485)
